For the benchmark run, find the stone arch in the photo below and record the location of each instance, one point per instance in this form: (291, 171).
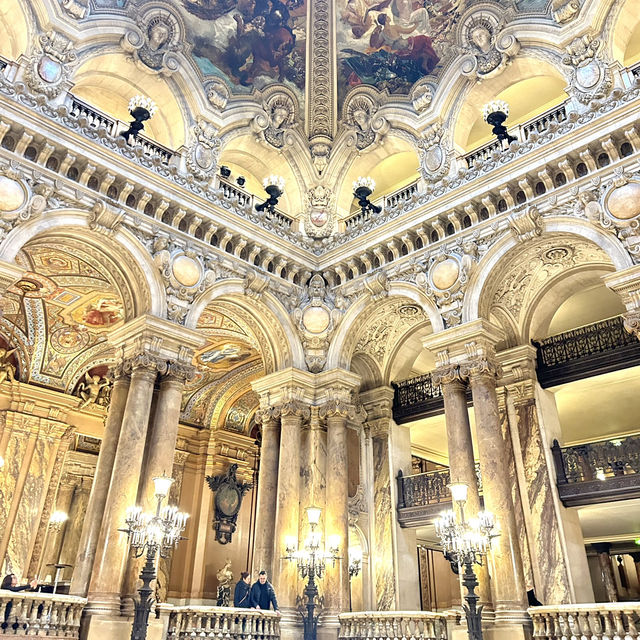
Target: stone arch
(108, 79)
(525, 77)
(268, 313)
(130, 257)
(570, 247)
(16, 27)
(366, 311)
(623, 44)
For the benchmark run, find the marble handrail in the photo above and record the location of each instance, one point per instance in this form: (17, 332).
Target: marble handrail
(40, 614)
(219, 622)
(387, 625)
(596, 621)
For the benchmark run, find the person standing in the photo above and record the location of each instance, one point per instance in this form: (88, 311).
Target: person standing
(262, 594)
(241, 596)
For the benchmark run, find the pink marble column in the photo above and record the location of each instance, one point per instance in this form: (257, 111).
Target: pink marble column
(336, 583)
(508, 585)
(606, 570)
(267, 492)
(100, 489)
(285, 577)
(462, 467)
(112, 548)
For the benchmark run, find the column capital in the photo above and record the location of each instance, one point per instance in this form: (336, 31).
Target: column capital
(519, 373)
(178, 372)
(480, 366)
(267, 416)
(378, 403)
(458, 344)
(155, 344)
(448, 374)
(626, 284)
(337, 408)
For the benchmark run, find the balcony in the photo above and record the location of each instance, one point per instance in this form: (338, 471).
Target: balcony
(596, 621)
(416, 398)
(601, 471)
(591, 350)
(390, 625)
(28, 614)
(181, 622)
(422, 496)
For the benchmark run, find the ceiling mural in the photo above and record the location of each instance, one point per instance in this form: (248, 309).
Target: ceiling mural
(67, 320)
(391, 44)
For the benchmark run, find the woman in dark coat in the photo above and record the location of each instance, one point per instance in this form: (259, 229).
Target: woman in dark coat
(241, 594)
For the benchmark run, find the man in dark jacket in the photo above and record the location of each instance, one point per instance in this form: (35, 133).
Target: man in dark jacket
(262, 594)
(241, 594)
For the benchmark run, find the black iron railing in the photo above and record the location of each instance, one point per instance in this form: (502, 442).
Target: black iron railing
(586, 351)
(422, 489)
(415, 398)
(605, 470)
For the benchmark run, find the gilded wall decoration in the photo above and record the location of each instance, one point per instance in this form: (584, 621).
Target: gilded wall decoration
(239, 416)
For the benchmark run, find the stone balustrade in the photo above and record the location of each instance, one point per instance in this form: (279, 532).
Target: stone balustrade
(26, 613)
(219, 622)
(388, 625)
(596, 621)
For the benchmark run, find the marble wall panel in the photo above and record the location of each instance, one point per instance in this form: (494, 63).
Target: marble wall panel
(28, 514)
(555, 587)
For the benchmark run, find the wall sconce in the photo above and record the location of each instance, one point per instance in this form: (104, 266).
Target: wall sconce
(494, 114)
(355, 561)
(141, 110)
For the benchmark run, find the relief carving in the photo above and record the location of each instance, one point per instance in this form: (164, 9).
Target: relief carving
(590, 77)
(50, 64)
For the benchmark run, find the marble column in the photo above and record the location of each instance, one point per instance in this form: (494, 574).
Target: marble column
(394, 558)
(336, 583)
(108, 570)
(102, 479)
(606, 570)
(74, 528)
(462, 467)
(507, 579)
(158, 460)
(267, 491)
(285, 577)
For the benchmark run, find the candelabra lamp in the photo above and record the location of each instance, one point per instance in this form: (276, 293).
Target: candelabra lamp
(466, 542)
(152, 535)
(311, 561)
(494, 114)
(362, 189)
(141, 110)
(274, 186)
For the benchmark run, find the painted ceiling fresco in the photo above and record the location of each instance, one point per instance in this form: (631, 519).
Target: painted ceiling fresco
(247, 43)
(67, 320)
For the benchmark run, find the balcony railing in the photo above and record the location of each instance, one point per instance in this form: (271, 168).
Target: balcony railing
(39, 614)
(591, 350)
(219, 622)
(601, 471)
(522, 132)
(416, 398)
(422, 496)
(404, 194)
(596, 621)
(390, 625)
